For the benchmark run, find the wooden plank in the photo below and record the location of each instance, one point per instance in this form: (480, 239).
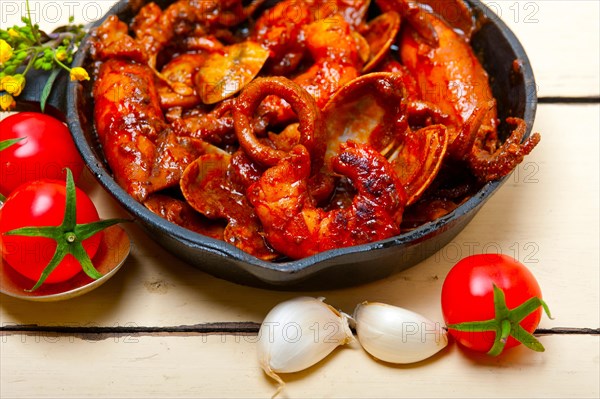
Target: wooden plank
(562, 42)
(546, 216)
(226, 366)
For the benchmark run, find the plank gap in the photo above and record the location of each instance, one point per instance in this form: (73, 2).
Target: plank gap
(224, 328)
(567, 331)
(569, 100)
(204, 328)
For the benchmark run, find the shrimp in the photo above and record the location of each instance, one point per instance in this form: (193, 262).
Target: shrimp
(111, 40)
(280, 29)
(451, 77)
(376, 109)
(336, 62)
(128, 121)
(294, 226)
(143, 151)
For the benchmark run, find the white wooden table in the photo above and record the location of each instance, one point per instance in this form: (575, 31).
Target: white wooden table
(149, 331)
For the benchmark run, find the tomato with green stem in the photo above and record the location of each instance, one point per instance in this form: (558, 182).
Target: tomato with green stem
(40, 148)
(50, 231)
(491, 303)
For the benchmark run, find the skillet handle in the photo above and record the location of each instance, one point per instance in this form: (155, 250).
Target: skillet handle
(56, 104)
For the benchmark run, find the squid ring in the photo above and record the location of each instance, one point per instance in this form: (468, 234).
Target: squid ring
(302, 103)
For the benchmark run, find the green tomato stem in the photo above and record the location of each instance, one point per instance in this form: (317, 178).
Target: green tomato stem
(506, 323)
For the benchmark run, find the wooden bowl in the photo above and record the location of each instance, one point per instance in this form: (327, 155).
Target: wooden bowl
(111, 255)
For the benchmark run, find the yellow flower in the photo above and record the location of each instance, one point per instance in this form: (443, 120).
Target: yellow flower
(7, 102)
(61, 54)
(5, 51)
(13, 84)
(13, 33)
(78, 73)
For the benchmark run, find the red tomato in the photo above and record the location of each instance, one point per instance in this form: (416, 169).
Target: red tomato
(47, 148)
(468, 296)
(42, 203)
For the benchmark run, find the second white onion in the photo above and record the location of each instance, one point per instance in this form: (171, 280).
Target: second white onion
(397, 335)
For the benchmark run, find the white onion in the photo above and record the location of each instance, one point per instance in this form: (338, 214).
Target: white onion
(397, 335)
(299, 333)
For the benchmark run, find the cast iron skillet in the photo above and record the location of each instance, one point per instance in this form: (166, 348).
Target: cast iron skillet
(497, 48)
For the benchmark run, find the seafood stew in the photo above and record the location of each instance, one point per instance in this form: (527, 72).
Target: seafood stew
(225, 180)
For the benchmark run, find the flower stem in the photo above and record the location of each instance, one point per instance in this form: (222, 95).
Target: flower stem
(31, 62)
(61, 64)
(34, 30)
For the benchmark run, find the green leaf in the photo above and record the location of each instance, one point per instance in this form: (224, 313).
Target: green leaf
(527, 339)
(41, 231)
(7, 143)
(59, 254)
(79, 253)
(525, 309)
(86, 230)
(501, 338)
(475, 326)
(546, 309)
(500, 307)
(48, 88)
(69, 220)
